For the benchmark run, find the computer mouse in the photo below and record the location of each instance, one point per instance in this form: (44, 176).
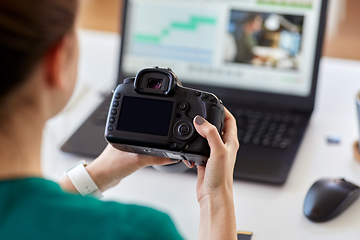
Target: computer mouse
(327, 198)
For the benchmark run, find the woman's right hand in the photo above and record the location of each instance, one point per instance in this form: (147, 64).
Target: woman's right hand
(215, 181)
(217, 177)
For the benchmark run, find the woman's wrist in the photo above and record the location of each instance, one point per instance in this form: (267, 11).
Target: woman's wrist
(67, 185)
(113, 165)
(216, 198)
(217, 217)
(215, 191)
(100, 176)
(103, 177)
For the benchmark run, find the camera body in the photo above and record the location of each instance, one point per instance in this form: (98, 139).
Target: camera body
(153, 114)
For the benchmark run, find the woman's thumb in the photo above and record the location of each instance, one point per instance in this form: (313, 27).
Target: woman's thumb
(208, 131)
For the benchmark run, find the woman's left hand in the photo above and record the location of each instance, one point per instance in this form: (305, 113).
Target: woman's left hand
(113, 165)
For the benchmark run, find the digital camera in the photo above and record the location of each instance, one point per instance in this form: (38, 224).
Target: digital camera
(153, 114)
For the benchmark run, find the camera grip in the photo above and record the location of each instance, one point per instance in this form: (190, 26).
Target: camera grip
(216, 118)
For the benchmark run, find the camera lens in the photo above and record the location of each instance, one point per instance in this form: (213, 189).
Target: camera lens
(155, 83)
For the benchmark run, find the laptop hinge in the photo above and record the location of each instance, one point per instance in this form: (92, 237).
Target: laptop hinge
(265, 106)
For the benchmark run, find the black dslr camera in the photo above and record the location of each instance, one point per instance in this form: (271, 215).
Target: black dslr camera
(153, 113)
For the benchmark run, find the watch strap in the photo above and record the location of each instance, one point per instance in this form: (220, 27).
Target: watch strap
(82, 180)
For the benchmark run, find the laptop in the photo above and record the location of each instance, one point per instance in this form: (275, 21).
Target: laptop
(261, 57)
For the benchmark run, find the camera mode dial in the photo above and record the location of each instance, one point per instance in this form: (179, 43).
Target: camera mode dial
(183, 130)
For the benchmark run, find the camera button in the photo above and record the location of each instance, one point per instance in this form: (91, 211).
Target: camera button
(183, 106)
(175, 145)
(197, 93)
(113, 112)
(117, 96)
(112, 120)
(204, 96)
(183, 130)
(212, 99)
(148, 151)
(110, 128)
(116, 104)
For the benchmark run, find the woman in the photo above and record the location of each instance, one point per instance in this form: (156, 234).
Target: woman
(38, 67)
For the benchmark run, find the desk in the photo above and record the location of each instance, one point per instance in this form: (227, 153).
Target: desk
(271, 212)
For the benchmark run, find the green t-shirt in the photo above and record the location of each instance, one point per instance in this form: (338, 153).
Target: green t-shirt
(36, 208)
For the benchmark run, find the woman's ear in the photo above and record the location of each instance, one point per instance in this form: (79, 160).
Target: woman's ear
(60, 71)
(55, 59)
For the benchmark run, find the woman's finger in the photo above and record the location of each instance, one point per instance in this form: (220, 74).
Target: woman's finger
(189, 164)
(153, 160)
(209, 131)
(230, 129)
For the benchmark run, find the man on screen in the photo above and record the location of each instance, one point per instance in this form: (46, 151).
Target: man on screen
(245, 44)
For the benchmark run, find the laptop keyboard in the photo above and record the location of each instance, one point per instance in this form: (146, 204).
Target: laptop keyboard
(255, 128)
(266, 129)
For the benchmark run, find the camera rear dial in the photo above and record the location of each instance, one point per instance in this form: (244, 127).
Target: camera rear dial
(183, 130)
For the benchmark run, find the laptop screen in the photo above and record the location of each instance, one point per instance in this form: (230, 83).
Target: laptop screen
(258, 45)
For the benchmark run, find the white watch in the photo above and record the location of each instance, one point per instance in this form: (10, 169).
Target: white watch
(82, 180)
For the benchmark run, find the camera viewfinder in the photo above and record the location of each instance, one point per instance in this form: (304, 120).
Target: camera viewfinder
(155, 83)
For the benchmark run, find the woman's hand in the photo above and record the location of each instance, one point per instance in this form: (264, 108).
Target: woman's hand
(217, 176)
(113, 165)
(215, 181)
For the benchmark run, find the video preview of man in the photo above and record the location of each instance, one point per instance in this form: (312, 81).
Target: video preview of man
(264, 39)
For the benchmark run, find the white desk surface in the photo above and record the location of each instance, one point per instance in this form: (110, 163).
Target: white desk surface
(271, 212)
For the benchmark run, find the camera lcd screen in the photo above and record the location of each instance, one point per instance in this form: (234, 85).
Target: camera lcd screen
(143, 115)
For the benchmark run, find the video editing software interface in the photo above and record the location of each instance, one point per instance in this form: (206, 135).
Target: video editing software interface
(258, 45)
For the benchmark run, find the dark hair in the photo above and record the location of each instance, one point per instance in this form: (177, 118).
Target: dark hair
(27, 30)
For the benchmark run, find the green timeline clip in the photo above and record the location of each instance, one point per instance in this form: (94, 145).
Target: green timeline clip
(191, 25)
